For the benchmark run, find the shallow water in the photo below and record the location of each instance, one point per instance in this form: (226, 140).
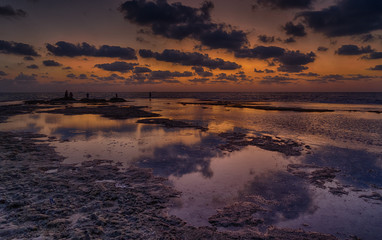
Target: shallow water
(210, 178)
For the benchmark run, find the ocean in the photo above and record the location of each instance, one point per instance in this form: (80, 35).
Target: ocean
(314, 97)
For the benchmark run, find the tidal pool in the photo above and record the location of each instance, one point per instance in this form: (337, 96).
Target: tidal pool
(348, 140)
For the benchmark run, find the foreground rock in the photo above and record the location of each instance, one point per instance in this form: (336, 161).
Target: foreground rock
(42, 199)
(113, 112)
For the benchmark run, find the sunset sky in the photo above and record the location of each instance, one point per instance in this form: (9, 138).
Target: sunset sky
(190, 45)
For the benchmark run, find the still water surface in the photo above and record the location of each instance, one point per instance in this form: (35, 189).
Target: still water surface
(210, 178)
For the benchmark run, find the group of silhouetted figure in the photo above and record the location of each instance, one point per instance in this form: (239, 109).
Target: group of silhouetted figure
(68, 96)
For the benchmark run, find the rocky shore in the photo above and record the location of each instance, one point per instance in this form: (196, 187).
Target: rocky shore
(40, 198)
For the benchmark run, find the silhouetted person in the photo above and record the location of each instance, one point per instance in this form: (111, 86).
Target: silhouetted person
(87, 95)
(150, 96)
(116, 95)
(71, 95)
(66, 94)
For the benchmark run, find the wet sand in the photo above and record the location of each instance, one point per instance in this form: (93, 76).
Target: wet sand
(42, 198)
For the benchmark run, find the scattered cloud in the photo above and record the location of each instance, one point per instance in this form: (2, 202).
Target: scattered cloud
(177, 21)
(51, 63)
(164, 75)
(373, 55)
(295, 30)
(9, 12)
(9, 47)
(266, 39)
(33, 66)
(260, 52)
(347, 17)
(199, 80)
(141, 70)
(201, 72)
(284, 4)
(322, 49)
(277, 80)
(24, 78)
(67, 49)
(122, 67)
(189, 59)
(294, 61)
(290, 40)
(264, 71)
(376, 68)
(353, 50)
(309, 74)
(340, 78)
(28, 58)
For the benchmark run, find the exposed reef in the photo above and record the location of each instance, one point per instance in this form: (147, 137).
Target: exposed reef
(258, 107)
(168, 123)
(40, 198)
(237, 140)
(113, 112)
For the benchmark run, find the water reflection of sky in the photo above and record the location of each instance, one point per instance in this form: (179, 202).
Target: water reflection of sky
(209, 178)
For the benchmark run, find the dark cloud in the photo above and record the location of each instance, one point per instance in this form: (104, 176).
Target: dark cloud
(28, 58)
(293, 61)
(2, 73)
(189, 59)
(201, 72)
(290, 40)
(353, 50)
(33, 66)
(310, 74)
(322, 49)
(373, 55)
(51, 63)
(237, 78)
(347, 17)
(112, 77)
(290, 61)
(9, 11)
(199, 80)
(141, 70)
(284, 4)
(340, 78)
(178, 21)
(260, 52)
(294, 30)
(66, 68)
(277, 80)
(165, 75)
(291, 68)
(17, 48)
(266, 39)
(367, 38)
(376, 68)
(122, 67)
(82, 76)
(264, 71)
(21, 78)
(84, 49)
(71, 75)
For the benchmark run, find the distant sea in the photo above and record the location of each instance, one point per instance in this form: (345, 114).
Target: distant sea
(305, 97)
